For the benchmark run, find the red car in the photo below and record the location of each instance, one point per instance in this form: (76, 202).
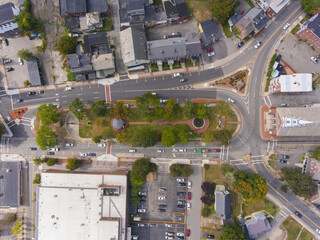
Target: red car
(188, 232)
(216, 150)
(189, 196)
(208, 50)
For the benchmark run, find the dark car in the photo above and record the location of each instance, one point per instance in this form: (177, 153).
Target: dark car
(161, 210)
(279, 58)
(6, 60)
(19, 100)
(285, 156)
(6, 42)
(216, 150)
(144, 198)
(211, 236)
(92, 154)
(181, 206)
(32, 148)
(162, 205)
(50, 153)
(142, 201)
(9, 69)
(283, 161)
(181, 194)
(40, 92)
(240, 44)
(182, 184)
(299, 215)
(31, 93)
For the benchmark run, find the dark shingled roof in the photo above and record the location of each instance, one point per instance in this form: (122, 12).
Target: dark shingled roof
(182, 10)
(139, 42)
(97, 6)
(171, 9)
(6, 13)
(10, 184)
(235, 18)
(94, 40)
(315, 25)
(34, 74)
(210, 31)
(69, 7)
(72, 22)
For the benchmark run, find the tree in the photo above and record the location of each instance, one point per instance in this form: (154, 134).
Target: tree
(208, 136)
(222, 10)
(140, 170)
(171, 109)
(206, 211)
(73, 164)
(147, 137)
(183, 133)
(207, 187)
(120, 110)
(25, 54)
(48, 113)
(97, 139)
(67, 45)
(71, 77)
(37, 179)
(168, 137)
(99, 108)
(284, 188)
(206, 199)
(17, 227)
(25, 21)
(202, 112)
(27, 83)
(77, 108)
(186, 170)
(223, 136)
(178, 170)
(175, 170)
(252, 186)
(51, 162)
(223, 108)
(46, 138)
(233, 232)
(38, 161)
(301, 184)
(310, 6)
(190, 109)
(147, 105)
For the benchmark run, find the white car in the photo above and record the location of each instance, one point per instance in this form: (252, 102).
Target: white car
(180, 180)
(101, 145)
(55, 149)
(318, 230)
(68, 89)
(132, 150)
(177, 75)
(313, 59)
(69, 144)
(161, 198)
(188, 205)
(286, 26)
(168, 225)
(20, 61)
(189, 184)
(163, 100)
(210, 54)
(169, 237)
(180, 234)
(134, 237)
(160, 150)
(83, 154)
(142, 193)
(258, 45)
(140, 225)
(231, 100)
(141, 210)
(182, 150)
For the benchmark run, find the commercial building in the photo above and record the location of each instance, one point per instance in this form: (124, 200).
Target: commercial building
(310, 31)
(272, 7)
(299, 82)
(35, 75)
(78, 206)
(8, 26)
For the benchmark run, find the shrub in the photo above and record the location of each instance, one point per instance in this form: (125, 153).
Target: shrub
(51, 162)
(206, 212)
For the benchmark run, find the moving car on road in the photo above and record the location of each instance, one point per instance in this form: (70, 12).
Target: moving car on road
(101, 145)
(240, 44)
(183, 80)
(177, 75)
(132, 150)
(55, 149)
(31, 93)
(32, 148)
(286, 26)
(231, 100)
(160, 150)
(258, 45)
(19, 100)
(299, 215)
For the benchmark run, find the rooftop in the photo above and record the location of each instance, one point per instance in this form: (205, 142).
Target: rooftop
(79, 62)
(97, 6)
(299, 82)
(7, 13)
(34, 73)
(257, 225)
(209, 31)
(86, 209)
(94, 40)
(69, 7)
(314, 24)
(222, 202)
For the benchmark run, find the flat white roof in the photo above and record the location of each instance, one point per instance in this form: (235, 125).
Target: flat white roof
(74, 206)
(299, 82)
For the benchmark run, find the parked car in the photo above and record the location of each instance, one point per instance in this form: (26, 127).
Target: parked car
(318, 230)
(210, 236)
(160, 150)
(101, 145)
(168, 237)
(182, 184)
(140, 225)
(189, 184)
(169, 233)
(283, 161)
(55, 149)
(181, 202)
(19, 100)
(189, 196)
(143, 197)
(231, 100)
(180, 179)
(313, 59)
(134, 237)
(286, 26)
(50, 153)
(161, 198)
(188, 232)
(216, 150)
(32, 148)
(182, 150)
(68, 89)
(180, 234)
(161, 210)
(279, 58)
(183, 80)
(31, 93)
(210, 54)
(6, 42)
(142, 193)
(177, 75)
(152, 225)
(92, 154)
(40, 92)
(162, 190)
(181, 206)
(83, 154)
(299, 215)
(188, 206)
(132, 150)
(285, 156)
(258, 45)
(181, 194)
(208, 49)
(6, 60)
(143, 201)
(162, 205)
(20, 61)
(69, 144)
(240, 44)
(141, 210)
(9, 69)
(168, 225)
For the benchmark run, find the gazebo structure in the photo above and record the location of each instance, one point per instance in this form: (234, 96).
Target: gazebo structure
(117, 124)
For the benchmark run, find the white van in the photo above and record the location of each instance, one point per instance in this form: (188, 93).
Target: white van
(132, 150)
(68, 88)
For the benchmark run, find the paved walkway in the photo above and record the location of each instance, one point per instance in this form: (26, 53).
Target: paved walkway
(72, 128)
(188, 122)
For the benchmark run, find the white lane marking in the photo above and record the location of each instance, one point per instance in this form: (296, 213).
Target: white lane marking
(287, 209)
(79, 94)
(11, 102)
(241, 164)
(283, 214)
(256, 156)
(95, 92)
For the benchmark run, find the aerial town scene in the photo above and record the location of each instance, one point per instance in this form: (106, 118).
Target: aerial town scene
(159, 119)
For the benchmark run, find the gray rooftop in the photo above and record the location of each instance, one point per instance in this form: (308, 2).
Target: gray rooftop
(97, 6)
(6, 13)
(79, 63)
(34, 73)
(298, 121)
(314, 24)
(210, 31)
(223, 204)
(69, 7)
(257, 225)
(164, 49)
(235, 18)
(10, 184)
(94, 41)
(139, 42)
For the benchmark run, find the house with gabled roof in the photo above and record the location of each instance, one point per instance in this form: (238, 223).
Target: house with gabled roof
(256, 226)
(222, 204)
(209, 32)
(8, 26)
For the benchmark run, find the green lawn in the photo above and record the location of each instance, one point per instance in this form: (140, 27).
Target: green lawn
(306, 235)
(226, 30)
(176, 65)
(154, 67)
(293, 228)
(189, 63)
(165, 66)
(265, 205)
(272, 163)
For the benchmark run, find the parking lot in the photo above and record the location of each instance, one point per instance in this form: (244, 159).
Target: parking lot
(16, 78)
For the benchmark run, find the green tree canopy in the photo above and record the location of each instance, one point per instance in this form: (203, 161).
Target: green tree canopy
(190, 109)
(17, 227)
(205, 211)
(51, 162)
(140, 170)
(147, 137)
(178, 170)
(25, 54)
(252, 186)
(97, 139)
(222, 10)
(37, 179)
(168, 137)
(171, 109)
(316, 153)
(71, 77)
(120, 110)
(77, 108)
(183, 133)
(48, 113)
(202, 112)
(223, 136)
(147, 105)
(232, 232)
(25, 21)
(67, 45)
(73, 164)
(39, 161)
(301, 184)
(310, 6)
(99, 108)
(46, 138)
(208, 136)
(223, 108)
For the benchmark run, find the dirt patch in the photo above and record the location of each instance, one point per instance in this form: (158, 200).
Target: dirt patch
(200, 10)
